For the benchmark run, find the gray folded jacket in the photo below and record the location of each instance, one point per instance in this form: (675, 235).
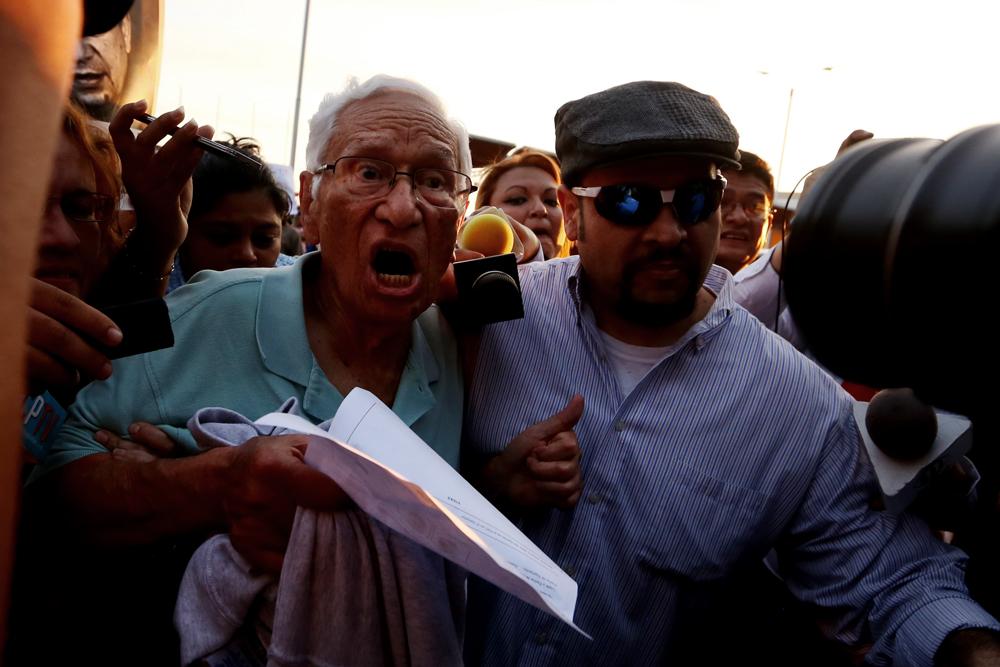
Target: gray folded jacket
(351, 591)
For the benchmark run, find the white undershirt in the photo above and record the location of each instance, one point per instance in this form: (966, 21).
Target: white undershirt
(631, 362)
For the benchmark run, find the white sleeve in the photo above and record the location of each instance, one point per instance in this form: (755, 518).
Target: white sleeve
(757, 287)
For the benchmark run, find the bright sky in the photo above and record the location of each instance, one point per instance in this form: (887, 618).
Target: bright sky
(899, 67)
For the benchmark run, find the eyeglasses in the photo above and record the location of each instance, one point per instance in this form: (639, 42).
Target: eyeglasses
(755, 208)
(637, 205)
(85, 207)
(370, 178)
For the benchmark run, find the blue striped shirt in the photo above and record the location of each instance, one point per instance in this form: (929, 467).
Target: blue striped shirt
(732, 445)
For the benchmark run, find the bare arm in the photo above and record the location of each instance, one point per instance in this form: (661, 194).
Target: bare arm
(115, 502)
(36, 43)
(159, 184)
(977, 647)
(250, 491)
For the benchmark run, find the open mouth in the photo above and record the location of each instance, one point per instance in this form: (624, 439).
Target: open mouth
(394, 268)
(735, 236)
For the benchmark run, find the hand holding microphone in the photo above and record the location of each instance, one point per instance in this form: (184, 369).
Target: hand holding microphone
(488, 287)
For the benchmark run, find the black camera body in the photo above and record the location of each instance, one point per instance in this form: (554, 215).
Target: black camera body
(489, 289)
(145, 327)
(890, 267)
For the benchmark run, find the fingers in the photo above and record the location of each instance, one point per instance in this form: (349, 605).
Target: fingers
(49, 337)
(155, 132)
(147, 443)
(855, 137)
(57, 351)
(206, 131)
(528, 239)
(557, 461)
(560, 494)
(280, 469)
(248, 538)
(74, 313)
(271, 478)
(564, 420)
(563, 447)
(136, 455)
(553, 471)
(152, 438)
(180, 155)
(46, 373)
(120, 126)
(461, 254)
(123, 449)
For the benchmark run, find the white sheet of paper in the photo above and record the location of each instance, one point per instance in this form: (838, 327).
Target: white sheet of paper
(398, 479)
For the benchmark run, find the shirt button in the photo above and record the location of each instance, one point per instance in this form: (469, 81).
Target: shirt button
(570, 570)
(594, 498)
(619, 426)
(541, 638)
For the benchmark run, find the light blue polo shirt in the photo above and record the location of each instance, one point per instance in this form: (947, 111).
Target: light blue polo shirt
(241, 344)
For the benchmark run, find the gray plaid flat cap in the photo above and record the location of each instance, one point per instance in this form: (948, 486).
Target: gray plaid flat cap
(642, 119)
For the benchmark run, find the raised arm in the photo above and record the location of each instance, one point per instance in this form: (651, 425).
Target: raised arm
(158, 182)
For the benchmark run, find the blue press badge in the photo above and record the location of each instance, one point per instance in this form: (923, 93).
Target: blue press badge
(42, 418)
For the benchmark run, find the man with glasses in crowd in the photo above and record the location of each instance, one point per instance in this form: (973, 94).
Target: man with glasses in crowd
(746, 213)
(386, 188)
(689, 475)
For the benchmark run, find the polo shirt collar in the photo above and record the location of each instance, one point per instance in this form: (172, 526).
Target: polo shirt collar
(281, 319)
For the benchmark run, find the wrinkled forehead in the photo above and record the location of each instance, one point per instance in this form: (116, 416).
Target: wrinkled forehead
(393, 121)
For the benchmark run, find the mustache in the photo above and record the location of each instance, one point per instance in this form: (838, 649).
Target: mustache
(678, 255)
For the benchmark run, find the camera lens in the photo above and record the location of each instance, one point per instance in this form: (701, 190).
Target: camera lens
(889, 264)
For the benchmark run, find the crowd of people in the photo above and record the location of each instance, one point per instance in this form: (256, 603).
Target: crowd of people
(626, 423)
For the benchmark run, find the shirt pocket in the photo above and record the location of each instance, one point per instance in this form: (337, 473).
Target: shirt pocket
(699, 528)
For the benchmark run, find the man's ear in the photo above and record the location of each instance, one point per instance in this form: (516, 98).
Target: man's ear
(307, 205)
(768, 222)
(570, 206)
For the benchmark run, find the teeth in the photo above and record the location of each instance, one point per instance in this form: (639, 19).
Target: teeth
(394, 280)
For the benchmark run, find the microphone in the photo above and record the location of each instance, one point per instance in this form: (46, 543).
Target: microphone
(900, 424)
(488, 288)
(487, 233)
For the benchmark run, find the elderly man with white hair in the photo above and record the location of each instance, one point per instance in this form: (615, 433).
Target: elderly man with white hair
(386, 188)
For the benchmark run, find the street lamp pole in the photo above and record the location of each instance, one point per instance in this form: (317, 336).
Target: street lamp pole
(784, 140)
(298, 90)
(788, 122)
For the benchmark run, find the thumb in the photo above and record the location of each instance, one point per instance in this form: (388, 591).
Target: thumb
(564, 420)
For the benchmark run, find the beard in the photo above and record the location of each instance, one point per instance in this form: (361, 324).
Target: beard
(97, 105)
(658, 314)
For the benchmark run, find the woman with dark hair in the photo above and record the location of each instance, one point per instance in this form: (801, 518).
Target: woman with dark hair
(524, 185)
(235, 219)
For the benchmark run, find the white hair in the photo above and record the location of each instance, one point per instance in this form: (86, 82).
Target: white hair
(324, 122)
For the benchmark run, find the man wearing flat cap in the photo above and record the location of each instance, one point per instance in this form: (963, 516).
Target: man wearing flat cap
(690, 477)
